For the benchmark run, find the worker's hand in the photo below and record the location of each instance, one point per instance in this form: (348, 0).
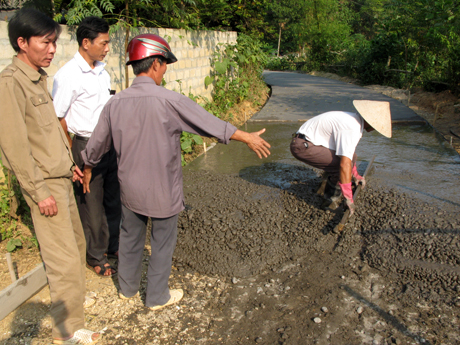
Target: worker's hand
(348, 195)
(360, 180)
(254, 142)
(87, 173)
(48, 207)
(350, 205)
(357, 177)
(77, 175)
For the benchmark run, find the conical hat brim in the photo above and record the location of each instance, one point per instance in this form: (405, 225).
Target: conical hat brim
(377, 114)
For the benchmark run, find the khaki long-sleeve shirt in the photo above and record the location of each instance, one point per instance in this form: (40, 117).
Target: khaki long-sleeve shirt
(145, 122)
(32, 141)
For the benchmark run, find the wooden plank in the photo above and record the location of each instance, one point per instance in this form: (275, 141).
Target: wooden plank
(21, 290)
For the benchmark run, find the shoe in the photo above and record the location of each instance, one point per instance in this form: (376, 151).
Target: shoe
(88, 302)
(176, 296)
(82, 336)
(121, 296)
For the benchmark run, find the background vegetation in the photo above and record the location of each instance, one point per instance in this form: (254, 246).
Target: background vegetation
(392, 42)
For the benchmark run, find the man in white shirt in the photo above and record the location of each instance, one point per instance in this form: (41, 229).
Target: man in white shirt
(80, 91)
(328, 142)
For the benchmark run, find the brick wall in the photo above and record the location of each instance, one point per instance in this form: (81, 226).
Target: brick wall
(193, 49)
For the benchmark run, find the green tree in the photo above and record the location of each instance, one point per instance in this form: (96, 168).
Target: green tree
(285, 15)
(427, 33)
(245, 16)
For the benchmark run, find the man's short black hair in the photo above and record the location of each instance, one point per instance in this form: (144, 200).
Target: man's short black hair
(90, 28)
(30, 22)
(142, 66)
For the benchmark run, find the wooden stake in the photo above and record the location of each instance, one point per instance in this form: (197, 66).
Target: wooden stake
(245, 122)
(204, 147)
(450, 141)
(435, 114)
(408, 99)
(11, 267)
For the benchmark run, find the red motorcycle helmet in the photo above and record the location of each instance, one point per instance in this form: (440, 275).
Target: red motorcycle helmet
(145, 45)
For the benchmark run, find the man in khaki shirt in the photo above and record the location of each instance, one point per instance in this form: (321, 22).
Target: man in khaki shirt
(35, 148)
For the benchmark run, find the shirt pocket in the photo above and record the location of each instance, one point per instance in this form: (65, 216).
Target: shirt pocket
(45, 117)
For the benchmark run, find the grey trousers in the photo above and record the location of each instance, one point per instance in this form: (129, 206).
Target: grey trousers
(62, 247)
(100, 210)
(318, 157)
(163, 239)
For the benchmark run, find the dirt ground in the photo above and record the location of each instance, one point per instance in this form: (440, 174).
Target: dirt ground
(261, 265)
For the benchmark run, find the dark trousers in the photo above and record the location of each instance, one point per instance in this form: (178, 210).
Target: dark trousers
(163, 237)
(318, 157)
(100, 210)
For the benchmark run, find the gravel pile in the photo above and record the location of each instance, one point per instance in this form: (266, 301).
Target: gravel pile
(236, 228)
(413, 239)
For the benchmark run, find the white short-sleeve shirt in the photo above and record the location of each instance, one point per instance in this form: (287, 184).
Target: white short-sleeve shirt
(336, 130)
(80, 93)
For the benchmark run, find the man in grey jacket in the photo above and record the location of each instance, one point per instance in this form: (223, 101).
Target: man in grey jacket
(144, 123)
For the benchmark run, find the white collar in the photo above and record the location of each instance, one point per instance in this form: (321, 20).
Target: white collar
(85, 67)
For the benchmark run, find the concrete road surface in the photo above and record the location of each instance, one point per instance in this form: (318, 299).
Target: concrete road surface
(298, 97)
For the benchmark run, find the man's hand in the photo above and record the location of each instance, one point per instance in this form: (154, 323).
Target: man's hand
(350, 205)
(348, 195)
(77, 175)
(48, 207)
(87, 173)
(360, 180)
(357, 177)
(254, 142)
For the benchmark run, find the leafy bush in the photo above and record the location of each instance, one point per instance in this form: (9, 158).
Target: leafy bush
(280, 64)
(13, 211)
(236, 69)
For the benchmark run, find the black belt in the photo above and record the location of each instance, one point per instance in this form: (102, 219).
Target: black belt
(301, 136)
(77, 137)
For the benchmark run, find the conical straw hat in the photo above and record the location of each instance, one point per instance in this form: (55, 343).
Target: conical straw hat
(377, 114)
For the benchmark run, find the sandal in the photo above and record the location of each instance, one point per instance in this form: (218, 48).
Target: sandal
(103, 270)
(82, 336)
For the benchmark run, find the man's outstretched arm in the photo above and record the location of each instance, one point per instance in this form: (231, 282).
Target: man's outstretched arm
(254, 142)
